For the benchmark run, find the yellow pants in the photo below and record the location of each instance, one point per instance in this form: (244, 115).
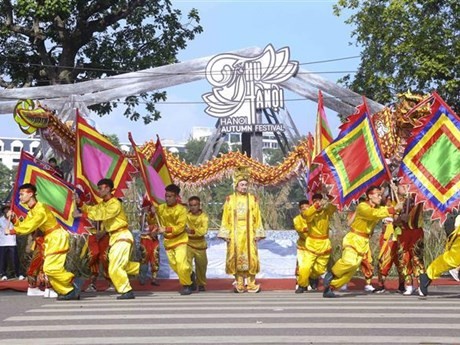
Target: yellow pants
(354, 248)
(120, 266)
(310, 265)
(56, 247)
(446, 261)
(178, 261)
(201, 263)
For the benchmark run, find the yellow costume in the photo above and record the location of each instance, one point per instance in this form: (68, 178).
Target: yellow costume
(56, 245)
(449, 259)
(241, 227)
(173, 219)
(317, 245)
(115, 223)
(300, 225)
(197, 245)
(355, 244)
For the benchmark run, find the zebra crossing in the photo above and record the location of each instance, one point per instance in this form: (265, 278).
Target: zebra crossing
(221, 317)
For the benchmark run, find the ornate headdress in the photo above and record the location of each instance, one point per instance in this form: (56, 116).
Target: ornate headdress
(241, 173)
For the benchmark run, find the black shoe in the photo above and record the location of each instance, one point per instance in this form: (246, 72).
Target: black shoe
(201, 288)
(186, 290)
(379, 289)
(424, 283)
(313, 283)
(300, 289)
(127, 295)
(77, 283)
(328, 293)
(327, 280)
(193, 278)
(401, 287)
(71, 296)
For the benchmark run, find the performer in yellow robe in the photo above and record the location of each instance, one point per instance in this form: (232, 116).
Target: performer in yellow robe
(444, 262)
(114, 221)
(317, 245)
(173, 217)
(197, 227)
(56, 242)
(242, 228)
(300, 225)
(355, 244)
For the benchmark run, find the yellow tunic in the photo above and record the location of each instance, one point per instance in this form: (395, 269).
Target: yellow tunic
(115, 223)
(355, 244)
(173, 219)
(318, 220)
(197, 245)
(317, 244)
(300, 225)
(199, 224)
(241, 226)
(56, 245)
(449, 259)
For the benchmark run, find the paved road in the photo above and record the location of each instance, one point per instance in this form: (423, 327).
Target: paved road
(221, 317)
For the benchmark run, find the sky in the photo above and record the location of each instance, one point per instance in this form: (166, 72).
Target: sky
(308, 28)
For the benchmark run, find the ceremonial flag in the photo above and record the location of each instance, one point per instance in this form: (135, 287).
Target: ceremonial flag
(353, 161)
(431, 162)
(51, 190)
(155, 187)
(158, 161)
(97, 158)
(323, 135)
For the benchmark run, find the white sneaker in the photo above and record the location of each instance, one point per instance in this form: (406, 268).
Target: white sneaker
(454, 273)
(110, 288)
(409, 290)
(344, 287)
(4, 278)
(91, 288)
(50, 293)
(35, 292)
(21, 277)
(309, 288)
(369, 288)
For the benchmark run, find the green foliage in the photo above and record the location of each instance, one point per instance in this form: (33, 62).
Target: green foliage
(193, 149)
(6, 181)
(113, 138)
(407, 45)
(67, 41)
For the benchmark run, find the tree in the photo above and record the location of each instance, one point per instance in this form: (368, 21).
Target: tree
(194, 148)
(406, 44)
(67, 41)
(113, 138)
(6, 182)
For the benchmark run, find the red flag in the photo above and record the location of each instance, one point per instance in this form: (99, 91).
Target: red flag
(154, 185)
(51, 190)
(354, 160)
(97, 158)
(431, 162)
(323, 135)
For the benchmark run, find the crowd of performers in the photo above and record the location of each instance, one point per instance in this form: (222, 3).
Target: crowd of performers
(110, 244)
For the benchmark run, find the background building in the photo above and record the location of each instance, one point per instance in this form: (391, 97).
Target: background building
(10, 149)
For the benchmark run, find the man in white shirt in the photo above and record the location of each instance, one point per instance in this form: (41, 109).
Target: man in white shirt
(8, 248)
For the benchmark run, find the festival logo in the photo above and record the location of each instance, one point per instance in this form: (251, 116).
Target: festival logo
(242, 86)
